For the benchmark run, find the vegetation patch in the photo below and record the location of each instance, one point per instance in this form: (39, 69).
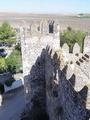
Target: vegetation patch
(7, 34)
(14, 62)
(71, 37)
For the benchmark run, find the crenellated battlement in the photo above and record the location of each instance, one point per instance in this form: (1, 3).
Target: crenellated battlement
(48, 83)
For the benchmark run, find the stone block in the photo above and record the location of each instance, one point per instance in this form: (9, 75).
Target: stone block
(76, 48)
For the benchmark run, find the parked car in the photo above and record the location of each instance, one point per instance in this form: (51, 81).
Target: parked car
(3, 53)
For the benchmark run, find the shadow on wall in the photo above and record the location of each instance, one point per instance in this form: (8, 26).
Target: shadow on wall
(67, 103)
(44, 85)
(36, 85)
(73, 103)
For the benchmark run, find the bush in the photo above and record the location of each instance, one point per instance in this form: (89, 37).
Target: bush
(3, 66)
(7, 34)
(71, 37)
(11, 68)
(9, 42)
(9, 82)
(14, 62)
(1, 88)
(11, 64)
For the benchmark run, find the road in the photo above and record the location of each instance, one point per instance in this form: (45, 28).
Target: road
(13, 105)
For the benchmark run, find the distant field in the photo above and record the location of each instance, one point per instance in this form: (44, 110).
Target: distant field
(75, 21)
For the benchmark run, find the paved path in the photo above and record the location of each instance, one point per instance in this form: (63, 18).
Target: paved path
(13, 105)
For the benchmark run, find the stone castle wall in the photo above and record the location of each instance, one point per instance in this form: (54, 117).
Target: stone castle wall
(63, 99)
(51, 94)
(58, 94)
(32, 48)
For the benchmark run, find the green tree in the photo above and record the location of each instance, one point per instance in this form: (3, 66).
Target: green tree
(79, 37)
(70, 37)
(7, 34)
(14, 62)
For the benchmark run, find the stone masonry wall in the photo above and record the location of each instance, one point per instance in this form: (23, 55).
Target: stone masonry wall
(63, 102)
(31, 49)
(49, 94)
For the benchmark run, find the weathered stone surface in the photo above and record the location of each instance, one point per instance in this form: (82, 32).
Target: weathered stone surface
(47, 89)
(87, 45)
(76, 48)
(65, 48)
(70, 101)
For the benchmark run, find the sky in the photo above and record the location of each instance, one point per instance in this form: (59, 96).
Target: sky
(45, 6)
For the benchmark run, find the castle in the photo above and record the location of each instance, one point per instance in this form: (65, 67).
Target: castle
(57, 83)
